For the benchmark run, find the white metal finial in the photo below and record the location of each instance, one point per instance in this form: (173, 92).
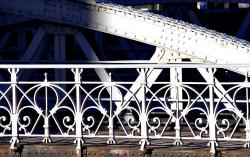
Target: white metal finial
(45, 77)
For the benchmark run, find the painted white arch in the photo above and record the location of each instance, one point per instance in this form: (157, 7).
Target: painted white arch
(137, 25)
(165, 32)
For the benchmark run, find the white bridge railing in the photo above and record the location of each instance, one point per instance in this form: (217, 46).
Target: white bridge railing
(83, 107)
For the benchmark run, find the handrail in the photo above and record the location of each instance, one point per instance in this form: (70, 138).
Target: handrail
(123, 65)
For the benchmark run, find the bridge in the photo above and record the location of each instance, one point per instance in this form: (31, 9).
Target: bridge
(189, 89)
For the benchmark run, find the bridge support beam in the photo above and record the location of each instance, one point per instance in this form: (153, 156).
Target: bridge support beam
(33, 51)
(60, 56)
(244, 27)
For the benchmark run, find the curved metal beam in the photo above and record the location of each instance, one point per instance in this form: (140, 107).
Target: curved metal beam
(140, 2)
(137, 25)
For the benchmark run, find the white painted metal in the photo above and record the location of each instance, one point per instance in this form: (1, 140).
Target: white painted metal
(164, 32)
(78, 115)
(209, 123)
(157, 30)
(13, 113)
(176, 76)
(124, 65)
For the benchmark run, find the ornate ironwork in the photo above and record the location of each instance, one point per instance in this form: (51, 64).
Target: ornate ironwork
(83, 109)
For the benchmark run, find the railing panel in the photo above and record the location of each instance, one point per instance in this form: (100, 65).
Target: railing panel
(83, 108)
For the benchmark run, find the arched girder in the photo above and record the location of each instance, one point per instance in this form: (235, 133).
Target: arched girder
(144, 2)
(137, 25)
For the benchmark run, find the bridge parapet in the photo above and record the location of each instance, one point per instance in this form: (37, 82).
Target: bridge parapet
(84, 109)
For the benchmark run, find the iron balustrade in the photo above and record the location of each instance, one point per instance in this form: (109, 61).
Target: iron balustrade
(111, 110)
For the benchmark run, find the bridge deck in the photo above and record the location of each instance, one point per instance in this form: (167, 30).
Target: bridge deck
(30, 147)
(161, 148)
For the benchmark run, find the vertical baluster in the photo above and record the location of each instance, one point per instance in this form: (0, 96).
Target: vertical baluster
(143, 117)
(14, 115)
(247, 129)
(211, 118)
(111, 118)
(78, 115)
(46, 118)
(178, 106)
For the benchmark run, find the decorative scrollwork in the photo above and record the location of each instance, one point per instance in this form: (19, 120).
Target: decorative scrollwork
(5, 109)
(152, 128)
(132, 123)
(48, 109)
(5, 123)
(27, 121)
(203, 129)
(69, 123)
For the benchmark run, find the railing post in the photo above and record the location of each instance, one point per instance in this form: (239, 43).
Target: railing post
(177, 123)
(247, 129)
(176, 76)
(143, 117)
(14, 115)
(211, 118)
(111, 139)
(78, 115)
(46, 117)
(177, 91)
